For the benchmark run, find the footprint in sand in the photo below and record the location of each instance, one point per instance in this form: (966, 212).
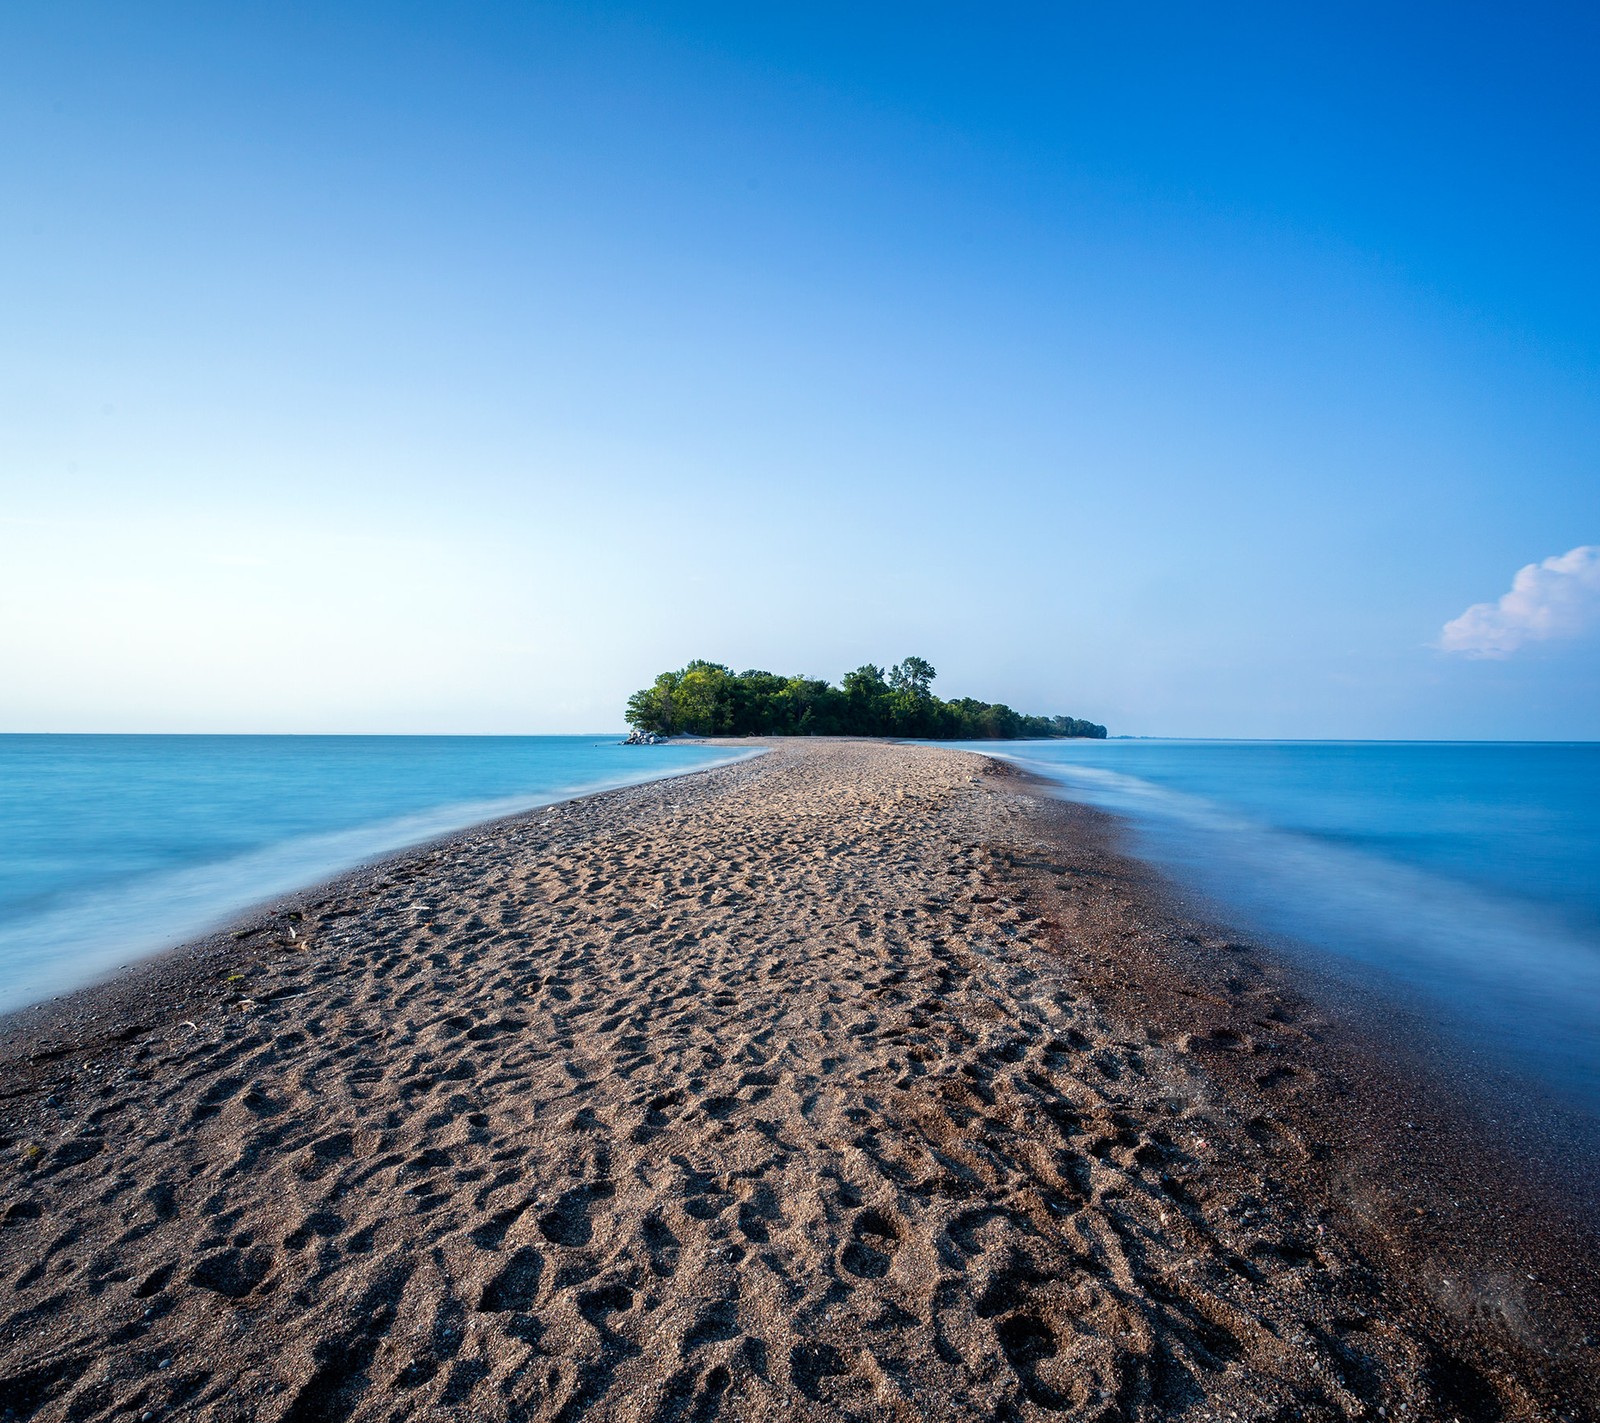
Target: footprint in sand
(870, 1252)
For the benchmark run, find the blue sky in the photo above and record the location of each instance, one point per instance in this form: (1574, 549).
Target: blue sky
(456, 368)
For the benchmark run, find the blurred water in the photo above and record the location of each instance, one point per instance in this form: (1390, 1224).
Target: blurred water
(112, 847)
(1465, 874)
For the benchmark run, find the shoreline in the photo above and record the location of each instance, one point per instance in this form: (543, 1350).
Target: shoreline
(1477, 942)
(1476, 1211)
(232, 924)
(1084, 1155)
(1390, 1025)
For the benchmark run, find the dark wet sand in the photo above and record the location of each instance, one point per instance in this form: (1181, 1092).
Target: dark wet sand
(856, 1081)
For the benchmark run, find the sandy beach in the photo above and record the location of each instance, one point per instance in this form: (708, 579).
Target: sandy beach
(858, 1080)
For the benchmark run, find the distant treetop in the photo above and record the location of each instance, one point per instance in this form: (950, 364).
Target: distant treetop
(708, 699)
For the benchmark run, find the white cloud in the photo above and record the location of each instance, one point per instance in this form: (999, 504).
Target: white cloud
(1557, 598)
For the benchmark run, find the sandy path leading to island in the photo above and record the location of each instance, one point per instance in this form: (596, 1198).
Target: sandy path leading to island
(765, 1092)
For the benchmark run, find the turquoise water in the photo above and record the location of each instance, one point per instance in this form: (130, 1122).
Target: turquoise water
(112, 847)
(1465, 877)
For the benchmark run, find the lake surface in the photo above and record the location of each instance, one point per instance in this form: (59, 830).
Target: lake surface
(1463, 876)
(112, 847)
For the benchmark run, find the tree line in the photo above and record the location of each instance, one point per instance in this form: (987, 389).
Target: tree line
(708, 699)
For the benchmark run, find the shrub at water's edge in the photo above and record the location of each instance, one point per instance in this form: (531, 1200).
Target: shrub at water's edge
(708, 699)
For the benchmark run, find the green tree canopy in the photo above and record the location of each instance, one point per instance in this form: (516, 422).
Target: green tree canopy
(708, 699)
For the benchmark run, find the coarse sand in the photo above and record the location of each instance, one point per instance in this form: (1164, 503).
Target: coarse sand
(854, 1081)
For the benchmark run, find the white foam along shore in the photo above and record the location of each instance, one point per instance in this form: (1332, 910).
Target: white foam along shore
(1520, 982)
(102, 931)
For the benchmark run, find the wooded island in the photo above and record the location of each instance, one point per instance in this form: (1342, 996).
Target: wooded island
(708, 699)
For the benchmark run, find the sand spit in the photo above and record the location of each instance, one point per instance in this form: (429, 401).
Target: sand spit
(803, 1087)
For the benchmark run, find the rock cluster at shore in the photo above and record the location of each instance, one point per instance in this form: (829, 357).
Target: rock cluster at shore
(775, 1091)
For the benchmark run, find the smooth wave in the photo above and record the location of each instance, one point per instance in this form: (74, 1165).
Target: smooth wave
(81, 936)
(1505, 975)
